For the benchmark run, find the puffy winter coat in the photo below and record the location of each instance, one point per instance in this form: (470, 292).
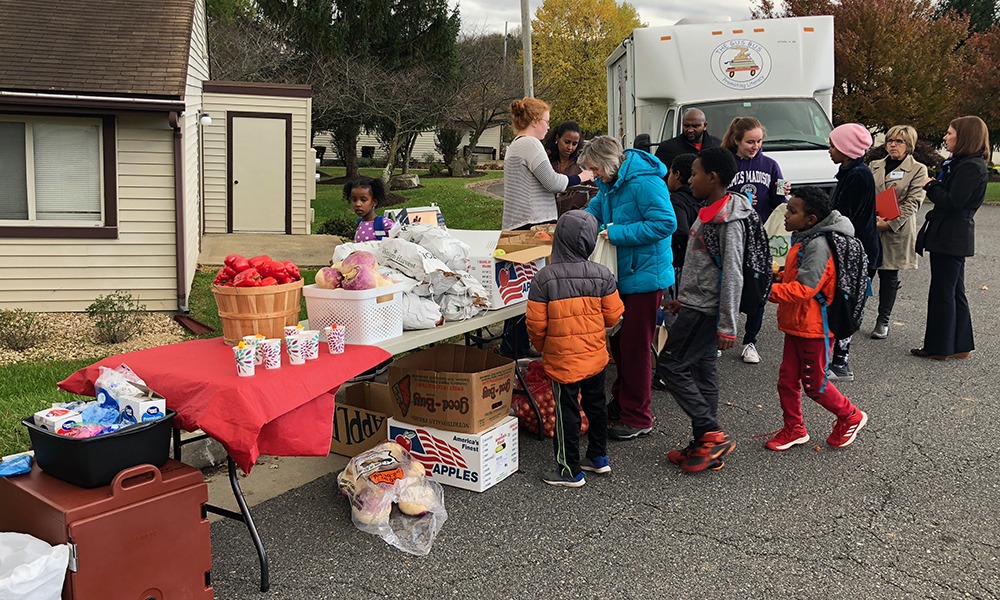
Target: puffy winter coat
(636, 207)
(570, 303)
(807, 272)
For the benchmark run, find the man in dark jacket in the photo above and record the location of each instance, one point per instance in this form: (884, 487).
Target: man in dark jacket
(693, 139)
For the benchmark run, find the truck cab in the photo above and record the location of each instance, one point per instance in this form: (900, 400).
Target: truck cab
(777, 70)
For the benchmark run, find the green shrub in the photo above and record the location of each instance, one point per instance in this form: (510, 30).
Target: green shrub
(20, 330)
(117, 317)
(364, 162)
(435, 168)
(341, 225)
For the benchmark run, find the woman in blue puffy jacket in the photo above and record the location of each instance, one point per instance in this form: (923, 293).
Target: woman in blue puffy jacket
(634, 209)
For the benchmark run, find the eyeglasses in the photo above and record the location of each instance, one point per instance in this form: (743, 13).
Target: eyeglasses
(887, 142)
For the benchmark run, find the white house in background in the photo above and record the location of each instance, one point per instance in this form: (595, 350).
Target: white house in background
(101, 119)
(488, 147)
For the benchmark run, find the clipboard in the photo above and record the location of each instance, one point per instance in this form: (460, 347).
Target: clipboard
(887, 205)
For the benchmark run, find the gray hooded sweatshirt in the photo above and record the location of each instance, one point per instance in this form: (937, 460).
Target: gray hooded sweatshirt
(814, 252)
(703, 287)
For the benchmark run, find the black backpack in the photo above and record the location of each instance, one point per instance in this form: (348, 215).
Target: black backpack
(842, 314)
(757, 262)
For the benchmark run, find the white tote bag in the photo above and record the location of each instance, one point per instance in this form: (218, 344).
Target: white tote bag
(781, 238)
(606, 254)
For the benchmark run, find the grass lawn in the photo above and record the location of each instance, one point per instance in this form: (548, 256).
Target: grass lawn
(462, 208)
(993, 193)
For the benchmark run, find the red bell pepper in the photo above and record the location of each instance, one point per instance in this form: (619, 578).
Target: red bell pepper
(247, 278)
(222, 278)
(286, 278)
(292, 270)
(272, 268)
(241, 264)
(268, 281)
(257, 261)
(230, 272)
(231, 259)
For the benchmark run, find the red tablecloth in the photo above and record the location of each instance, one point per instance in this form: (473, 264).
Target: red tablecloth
(280, 412)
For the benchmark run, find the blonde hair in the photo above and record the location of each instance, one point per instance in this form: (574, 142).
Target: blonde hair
(603, 151)
(527, 111)
(973, 137)
(909, 135)
(737, 129)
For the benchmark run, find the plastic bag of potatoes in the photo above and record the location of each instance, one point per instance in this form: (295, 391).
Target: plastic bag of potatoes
(391, 497)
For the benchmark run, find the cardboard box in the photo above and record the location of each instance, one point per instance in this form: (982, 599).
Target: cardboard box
(522, 238)
(150, 407)
(474, 462)
(56, 419)
(449, 387)
(507, 277)
(359, 422)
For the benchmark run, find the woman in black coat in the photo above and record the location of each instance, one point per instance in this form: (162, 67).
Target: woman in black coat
(949, 233)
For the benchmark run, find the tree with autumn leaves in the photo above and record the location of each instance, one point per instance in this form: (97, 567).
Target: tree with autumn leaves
(570, 41)
(907, 62)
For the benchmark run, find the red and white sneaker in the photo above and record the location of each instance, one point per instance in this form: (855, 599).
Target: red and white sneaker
(787, 437)
(845, 430)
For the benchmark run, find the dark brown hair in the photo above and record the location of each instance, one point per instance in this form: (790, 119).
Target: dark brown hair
(737, 129)
(973, 137)
(526, 112)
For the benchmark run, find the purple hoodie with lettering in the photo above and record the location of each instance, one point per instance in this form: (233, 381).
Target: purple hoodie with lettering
(758, 176)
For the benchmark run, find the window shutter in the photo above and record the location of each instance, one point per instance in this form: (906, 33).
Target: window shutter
(13, 179)
(67, 172)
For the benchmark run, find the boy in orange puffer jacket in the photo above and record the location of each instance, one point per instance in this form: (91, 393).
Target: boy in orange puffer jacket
(809, 269)
(570, 303)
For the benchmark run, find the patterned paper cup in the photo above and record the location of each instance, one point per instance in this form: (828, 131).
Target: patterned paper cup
(335, 339)
(244, 360)
(313, 349)
(254, 342)
(297, 348)
(292, 330)
(270, 350)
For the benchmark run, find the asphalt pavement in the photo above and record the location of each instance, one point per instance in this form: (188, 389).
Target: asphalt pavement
(910, 510)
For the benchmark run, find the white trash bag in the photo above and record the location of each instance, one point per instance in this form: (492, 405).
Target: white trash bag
(30, 569)
(392, 498)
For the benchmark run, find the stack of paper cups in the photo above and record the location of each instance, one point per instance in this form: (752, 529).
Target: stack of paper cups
(244, 360)
(292, 330)
(270, 351)
(312, 352)
(335, 339)
(254, 342)
(297, 348)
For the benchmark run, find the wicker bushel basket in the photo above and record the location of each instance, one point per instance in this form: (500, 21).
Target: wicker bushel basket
(252, 310)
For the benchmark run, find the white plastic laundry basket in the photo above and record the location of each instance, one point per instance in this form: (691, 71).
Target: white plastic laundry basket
(367, 316)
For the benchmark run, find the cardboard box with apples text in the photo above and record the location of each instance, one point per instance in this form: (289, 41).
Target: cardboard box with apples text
(451, 387)
(359, 422)
(474, 462)
(507, 277)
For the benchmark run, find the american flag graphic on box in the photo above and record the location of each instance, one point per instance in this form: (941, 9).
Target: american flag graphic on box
(513, 280)
(428, 449)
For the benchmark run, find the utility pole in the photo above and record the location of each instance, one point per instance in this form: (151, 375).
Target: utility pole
(529, 82)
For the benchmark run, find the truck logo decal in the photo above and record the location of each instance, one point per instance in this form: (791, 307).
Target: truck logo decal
(741, 64)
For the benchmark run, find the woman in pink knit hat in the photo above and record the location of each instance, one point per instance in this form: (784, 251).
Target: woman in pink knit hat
(854, 197)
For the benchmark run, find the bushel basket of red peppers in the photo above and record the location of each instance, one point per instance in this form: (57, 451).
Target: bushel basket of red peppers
(257, 295)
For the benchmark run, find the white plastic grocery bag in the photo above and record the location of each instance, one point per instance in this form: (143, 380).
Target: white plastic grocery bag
(781, 238)
(30, 569)
(606, 254)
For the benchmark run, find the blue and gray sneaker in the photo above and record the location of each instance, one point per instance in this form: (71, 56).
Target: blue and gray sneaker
(554, 477)
(598, 464)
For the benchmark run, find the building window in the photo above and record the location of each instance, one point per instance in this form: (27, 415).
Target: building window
(51, 171)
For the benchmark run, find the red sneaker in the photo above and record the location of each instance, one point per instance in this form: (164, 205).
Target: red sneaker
(677, 456)
(706, 452)
(845, 430)
(787, 437)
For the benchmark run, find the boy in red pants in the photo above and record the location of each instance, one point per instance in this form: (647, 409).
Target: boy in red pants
(809, 269)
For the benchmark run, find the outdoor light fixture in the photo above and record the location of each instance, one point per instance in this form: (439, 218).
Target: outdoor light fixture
(205, 119)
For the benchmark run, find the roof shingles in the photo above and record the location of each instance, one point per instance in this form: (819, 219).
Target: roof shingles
(109, 47)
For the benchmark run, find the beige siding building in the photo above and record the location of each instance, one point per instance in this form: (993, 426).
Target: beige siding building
(489, 145)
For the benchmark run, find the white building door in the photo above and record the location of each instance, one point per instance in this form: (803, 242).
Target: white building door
(259, 175)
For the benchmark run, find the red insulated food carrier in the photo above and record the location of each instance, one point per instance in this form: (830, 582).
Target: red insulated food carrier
(144, 537)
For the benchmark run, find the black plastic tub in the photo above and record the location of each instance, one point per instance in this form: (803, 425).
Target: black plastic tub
(94, 462)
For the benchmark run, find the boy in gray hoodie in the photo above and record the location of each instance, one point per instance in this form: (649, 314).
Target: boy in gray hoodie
(707, 307)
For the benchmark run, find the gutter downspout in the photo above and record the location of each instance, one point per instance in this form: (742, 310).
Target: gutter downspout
(179, 211)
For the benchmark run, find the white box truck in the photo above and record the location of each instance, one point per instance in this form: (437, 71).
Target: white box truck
(777, 70)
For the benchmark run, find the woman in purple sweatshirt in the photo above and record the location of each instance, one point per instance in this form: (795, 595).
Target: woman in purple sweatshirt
(757, 177)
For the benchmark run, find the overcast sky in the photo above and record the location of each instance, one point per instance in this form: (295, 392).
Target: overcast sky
(489, 15)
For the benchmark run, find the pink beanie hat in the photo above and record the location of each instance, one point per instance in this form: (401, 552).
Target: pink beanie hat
(853, 139)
